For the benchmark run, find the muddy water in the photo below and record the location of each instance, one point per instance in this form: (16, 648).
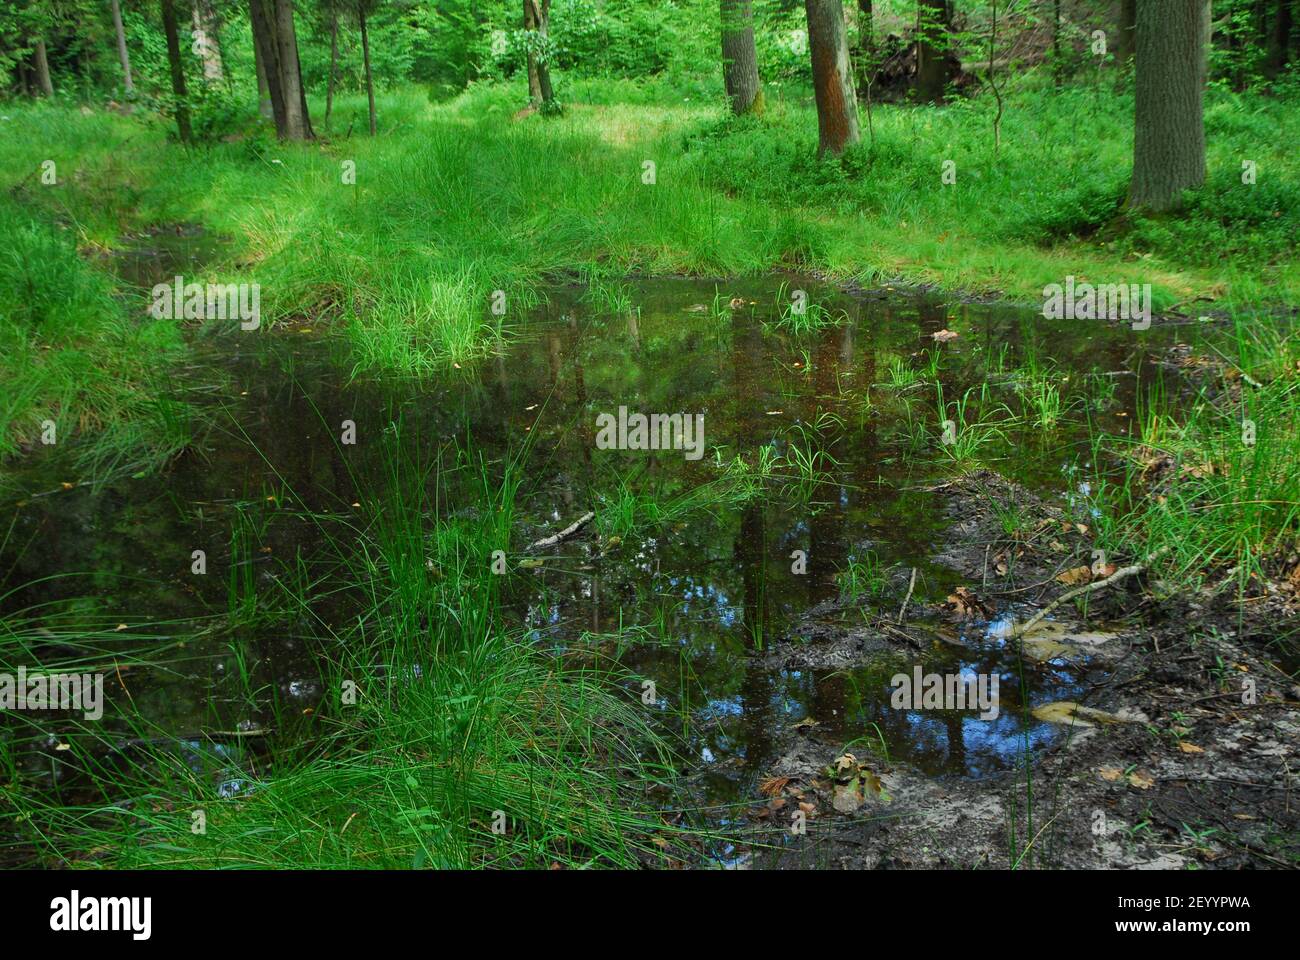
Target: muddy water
(713, 589)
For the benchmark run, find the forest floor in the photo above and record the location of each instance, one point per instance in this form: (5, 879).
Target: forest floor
(462, 205)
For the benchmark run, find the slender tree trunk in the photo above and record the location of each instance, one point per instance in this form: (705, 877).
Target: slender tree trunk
(182, 107)
(42, 64)
(534, 81)
(1124, 45)
(365, 55)
(542, 19)
(832, 72)
(932, 50)
(739, 58)
(1169, 123)
(866, 44)
(122, 55)
(1058, 66)
(206, 31)
(334, 65)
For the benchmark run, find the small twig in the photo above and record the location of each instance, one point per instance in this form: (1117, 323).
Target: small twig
(1122, 574)
(564, 534)
(908, 599)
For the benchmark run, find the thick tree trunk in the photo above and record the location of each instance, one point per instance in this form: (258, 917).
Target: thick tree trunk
(181, 101)
(365, 55)
(273, 31)
(832, 72)
(42, 64)
(263, 89)
(739, 58)
(534, 81)
(1124, 43)
(1169, 124)
(207, 29)
(334, 66)
(297, 120)
(122, 55)
(932, 60)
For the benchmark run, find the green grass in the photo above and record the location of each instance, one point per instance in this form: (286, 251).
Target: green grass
(455, 716)
(460, 204)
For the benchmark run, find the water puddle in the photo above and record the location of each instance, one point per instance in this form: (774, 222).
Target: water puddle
(840, 428)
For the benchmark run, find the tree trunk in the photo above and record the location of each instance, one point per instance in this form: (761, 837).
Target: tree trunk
(534, 81)
(542, 20)
(334, 65)
(739, 58)
(866, 43)
(206, 30)
(182, 106)
(1279, 44)
(1124, 45)
(122, 55)
(297, 120)
(832, 72)
(263, 89)
(42, 64)
(1058, 66)
(932, 60)
(277, 41)
(1169, 123)
(365, 55)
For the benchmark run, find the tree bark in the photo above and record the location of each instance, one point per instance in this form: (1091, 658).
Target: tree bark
(263, 89)
(180, 98)
(933, 29)
(1169, 122)
(334, 65)
(42, 64)
(206, 26)
(122, 55)
(832, 72)
(739, 58)
(365, 55)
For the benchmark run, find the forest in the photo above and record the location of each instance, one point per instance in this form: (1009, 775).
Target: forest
(693, 434)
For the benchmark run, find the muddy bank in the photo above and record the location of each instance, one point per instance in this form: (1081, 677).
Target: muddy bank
(1182, 754)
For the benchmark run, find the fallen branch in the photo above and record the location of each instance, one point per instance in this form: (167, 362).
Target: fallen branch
(1121, 574)
(564, 534)
(908, 598)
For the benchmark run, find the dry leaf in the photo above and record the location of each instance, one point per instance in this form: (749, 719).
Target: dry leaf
(1075, 576)
(771, 786)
